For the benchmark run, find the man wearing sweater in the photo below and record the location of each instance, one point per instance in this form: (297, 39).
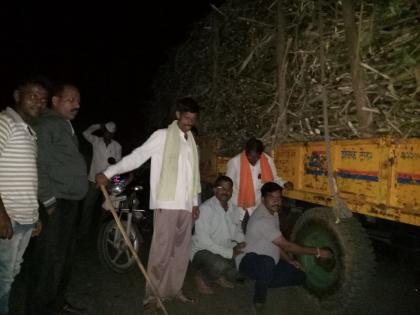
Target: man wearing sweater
(62, 184)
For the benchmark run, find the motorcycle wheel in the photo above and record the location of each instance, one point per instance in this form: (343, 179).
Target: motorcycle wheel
(113, 252)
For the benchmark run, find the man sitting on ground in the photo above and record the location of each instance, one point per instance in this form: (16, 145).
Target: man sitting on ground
(265, 245)
(218, 238)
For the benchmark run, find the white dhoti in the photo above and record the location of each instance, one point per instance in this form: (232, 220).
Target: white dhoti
(169, 252)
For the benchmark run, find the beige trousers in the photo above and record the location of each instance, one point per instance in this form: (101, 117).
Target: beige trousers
(169, 252)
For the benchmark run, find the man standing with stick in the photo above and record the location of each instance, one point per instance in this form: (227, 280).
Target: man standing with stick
(174, 189)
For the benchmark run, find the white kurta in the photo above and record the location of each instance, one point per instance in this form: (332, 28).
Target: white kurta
(217, 230)
(233, 171)
(101, 152)
(153, 148)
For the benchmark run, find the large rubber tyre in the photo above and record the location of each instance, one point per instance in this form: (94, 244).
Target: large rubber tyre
(112, 250)
(340, 284)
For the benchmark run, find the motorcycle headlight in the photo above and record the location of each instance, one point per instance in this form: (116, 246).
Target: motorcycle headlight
(117, 188)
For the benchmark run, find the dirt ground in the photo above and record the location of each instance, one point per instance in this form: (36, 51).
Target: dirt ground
(396, 290)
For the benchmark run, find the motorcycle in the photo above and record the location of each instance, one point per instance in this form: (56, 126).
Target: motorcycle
(137, 221)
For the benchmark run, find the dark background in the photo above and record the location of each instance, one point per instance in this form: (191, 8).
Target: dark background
(110, 51)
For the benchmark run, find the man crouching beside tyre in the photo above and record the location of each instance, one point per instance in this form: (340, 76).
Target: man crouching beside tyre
(265, 245)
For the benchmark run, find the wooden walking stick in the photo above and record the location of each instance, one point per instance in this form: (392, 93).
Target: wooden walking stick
(132, 250)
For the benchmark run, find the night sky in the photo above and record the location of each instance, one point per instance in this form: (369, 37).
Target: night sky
(111, 51)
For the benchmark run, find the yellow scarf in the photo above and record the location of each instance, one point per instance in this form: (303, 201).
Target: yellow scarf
(169, 172)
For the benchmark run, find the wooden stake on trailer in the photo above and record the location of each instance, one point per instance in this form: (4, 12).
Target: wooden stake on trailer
(341, 209)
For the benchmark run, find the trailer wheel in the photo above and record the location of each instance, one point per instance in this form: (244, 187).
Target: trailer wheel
(339, 283)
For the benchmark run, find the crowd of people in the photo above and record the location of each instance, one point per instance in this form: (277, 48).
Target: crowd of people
(44, 179)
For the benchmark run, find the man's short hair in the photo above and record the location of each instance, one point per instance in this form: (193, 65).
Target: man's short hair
(187, 105)
(36, 80)
(222, 179)
(59, 88)
(254, 145)
(270, 187)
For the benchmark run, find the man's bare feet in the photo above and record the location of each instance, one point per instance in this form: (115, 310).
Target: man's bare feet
(224, 283)
(202, 286)
(181, 297)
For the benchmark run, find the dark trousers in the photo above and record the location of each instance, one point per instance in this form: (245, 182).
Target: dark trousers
(213, 266)
(89, 209)
(52, 259)
(267, 274)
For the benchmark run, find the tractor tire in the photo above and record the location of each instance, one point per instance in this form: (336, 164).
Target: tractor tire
(340, 284)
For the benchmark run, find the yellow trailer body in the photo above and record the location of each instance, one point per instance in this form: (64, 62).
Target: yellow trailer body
(377, 177)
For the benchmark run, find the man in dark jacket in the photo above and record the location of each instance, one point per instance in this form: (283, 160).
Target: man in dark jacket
(62, 184)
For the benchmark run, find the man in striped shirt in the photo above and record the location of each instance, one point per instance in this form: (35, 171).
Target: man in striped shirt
(18, 180)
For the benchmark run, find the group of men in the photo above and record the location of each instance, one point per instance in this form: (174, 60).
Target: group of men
(40, 164)
(238, 232)
(231, 234)
(43, 177)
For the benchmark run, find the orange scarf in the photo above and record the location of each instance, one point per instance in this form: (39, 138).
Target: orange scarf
(246, 196)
